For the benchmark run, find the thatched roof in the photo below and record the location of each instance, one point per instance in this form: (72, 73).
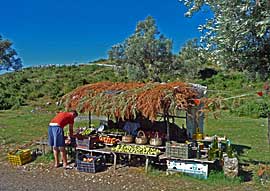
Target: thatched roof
(128, 99)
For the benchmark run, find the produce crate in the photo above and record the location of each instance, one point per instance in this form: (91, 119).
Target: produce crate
(94, 166)
(179, 150)
(88, 143)
(19, 157)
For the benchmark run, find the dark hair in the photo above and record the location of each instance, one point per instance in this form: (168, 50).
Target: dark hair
(75, 112)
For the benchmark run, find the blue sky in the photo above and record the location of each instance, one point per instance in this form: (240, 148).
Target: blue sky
(68, 31)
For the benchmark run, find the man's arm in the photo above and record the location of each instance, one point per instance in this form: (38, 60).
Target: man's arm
(71, 130)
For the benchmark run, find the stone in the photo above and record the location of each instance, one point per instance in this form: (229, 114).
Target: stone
(230, 167)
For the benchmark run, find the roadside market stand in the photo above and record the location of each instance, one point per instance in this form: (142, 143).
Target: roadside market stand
(144, 103)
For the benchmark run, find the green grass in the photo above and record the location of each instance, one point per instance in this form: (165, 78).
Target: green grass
(22, 126)
(243, 131)
(215, 179)
(46, 159)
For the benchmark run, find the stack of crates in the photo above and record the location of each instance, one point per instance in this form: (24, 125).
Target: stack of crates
(20, 157)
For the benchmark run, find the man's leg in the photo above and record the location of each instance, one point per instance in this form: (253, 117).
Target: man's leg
(64, 156)
(56, 156)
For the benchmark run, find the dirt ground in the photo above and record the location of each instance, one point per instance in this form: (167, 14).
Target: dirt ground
(45, 177)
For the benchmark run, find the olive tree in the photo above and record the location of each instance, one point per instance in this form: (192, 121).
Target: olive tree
(146, 54)
(238, 35)
(8, 56)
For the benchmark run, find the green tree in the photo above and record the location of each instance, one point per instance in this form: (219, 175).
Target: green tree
(238, 35)
(8, 56)
(146, 54)
(117, 55)
(190, 60)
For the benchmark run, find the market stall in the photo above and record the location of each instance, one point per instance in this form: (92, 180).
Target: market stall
(135, 108)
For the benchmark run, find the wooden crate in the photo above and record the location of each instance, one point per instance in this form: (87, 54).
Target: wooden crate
(87, 143)
(179, 150)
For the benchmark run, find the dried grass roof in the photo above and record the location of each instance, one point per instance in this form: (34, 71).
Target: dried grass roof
(125, 100)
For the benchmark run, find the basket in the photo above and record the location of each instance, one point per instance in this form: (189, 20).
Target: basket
(19, 157)
(179, 150)
(88, 143)
(156, 141)
(94, 166)
(141, 139)
(127, 139)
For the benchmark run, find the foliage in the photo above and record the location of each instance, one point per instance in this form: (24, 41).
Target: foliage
(46, 158)
(238, 35)
(47, 83)
(218, 177)
(145, 54)
(256, 108)
(236, 93)
(191, 59)
(8, 56)
(234, 82)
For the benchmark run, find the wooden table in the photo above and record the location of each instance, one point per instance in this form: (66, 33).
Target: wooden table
(203, 160)
(147, 158)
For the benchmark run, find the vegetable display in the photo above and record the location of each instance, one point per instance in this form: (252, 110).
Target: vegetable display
(108, 140)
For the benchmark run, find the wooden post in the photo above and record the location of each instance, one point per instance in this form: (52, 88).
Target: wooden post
(89, 119)
(146, 164)
(114, 161)
(268, 130)
(166, 120)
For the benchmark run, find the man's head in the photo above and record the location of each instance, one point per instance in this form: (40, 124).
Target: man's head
(75, 113)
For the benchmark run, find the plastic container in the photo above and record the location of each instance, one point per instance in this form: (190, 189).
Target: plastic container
(94, 166)
(20, 157)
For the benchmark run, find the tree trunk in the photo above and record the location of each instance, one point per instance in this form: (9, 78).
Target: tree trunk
(268, 130)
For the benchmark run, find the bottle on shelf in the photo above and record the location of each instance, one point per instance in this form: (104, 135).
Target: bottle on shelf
(210, 153)
(229, 150)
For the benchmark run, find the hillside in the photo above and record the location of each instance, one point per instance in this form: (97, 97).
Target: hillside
(47, 83)
(39, 85)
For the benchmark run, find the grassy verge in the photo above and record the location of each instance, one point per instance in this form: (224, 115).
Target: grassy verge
(242, 131)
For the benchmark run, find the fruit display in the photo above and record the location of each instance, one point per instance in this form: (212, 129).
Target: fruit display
(108, 140)
(136, 149)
